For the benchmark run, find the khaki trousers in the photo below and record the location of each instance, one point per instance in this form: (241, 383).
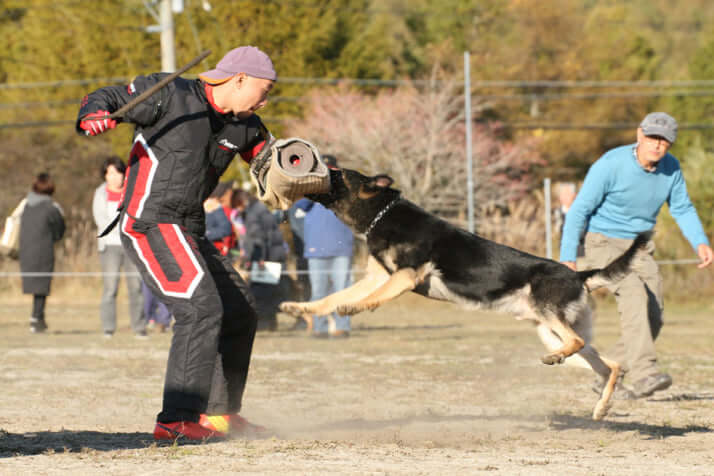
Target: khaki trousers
(639, 303)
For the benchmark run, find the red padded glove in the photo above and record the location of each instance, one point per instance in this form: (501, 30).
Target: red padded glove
(95, 123)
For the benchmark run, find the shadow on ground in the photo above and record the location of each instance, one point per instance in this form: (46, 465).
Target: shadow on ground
(41, 442)
(681, 397)
(362, 424)
(558, 422)
(570, 422)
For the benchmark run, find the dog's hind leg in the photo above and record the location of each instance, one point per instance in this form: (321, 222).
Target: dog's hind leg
(583, 328)
(609, 369)
(587, 357)
(604, 403)
(571, 342)
(552, 342)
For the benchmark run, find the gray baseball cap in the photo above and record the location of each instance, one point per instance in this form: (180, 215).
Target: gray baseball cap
(660, 124)
(244, 59)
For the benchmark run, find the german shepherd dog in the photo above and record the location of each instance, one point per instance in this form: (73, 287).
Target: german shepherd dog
(413, 250)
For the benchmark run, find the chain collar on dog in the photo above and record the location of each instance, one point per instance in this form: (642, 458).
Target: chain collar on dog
(380, 215)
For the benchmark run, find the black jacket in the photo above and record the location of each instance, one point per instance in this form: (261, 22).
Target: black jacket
(41, 226)
(182, 145)
(263, 239)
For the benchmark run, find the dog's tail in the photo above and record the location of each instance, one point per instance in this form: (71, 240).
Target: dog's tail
(615, 271)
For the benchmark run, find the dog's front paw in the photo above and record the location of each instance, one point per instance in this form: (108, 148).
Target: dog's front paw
(293, 308)
(550, 359)
(348, 310)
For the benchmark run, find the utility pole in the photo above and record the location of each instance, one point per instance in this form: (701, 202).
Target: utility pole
(469, 146)
(168, 51)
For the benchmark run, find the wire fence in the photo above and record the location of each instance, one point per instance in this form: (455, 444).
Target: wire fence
(547, 91)
(98, 274)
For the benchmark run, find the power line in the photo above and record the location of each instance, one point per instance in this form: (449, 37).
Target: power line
(601, 126)
(507, 125)
(73, 102)
(19, 105)
(504, 83)
(594, 84)
(483, 97)
(623, 95)
(34, 124)
(64, 82)
(403, 82)
(67, 122)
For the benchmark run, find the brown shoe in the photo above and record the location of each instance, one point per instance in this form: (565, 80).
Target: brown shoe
(645, 387)
(339, 334)
(621, 391)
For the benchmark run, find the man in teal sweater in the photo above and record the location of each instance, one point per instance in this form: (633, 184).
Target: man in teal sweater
(622, 195)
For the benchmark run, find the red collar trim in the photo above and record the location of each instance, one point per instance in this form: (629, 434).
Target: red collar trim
(209, 95)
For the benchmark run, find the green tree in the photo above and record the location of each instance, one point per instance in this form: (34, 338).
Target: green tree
(697, 109)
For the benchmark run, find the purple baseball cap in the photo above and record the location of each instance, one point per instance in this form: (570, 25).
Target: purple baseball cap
(244, 59)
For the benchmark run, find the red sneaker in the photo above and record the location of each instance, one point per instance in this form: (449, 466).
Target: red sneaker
(234, 424)
(241, 426)
(220, 423)
(185, 429)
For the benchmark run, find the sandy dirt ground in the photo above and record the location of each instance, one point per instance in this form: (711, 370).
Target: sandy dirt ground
(419, 388)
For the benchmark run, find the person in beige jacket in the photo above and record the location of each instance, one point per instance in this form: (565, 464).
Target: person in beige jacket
(111, 253)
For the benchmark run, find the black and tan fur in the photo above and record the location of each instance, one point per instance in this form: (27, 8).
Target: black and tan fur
(413, 250)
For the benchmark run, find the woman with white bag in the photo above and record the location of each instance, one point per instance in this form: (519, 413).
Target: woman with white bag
(10, 239)
(41, 225)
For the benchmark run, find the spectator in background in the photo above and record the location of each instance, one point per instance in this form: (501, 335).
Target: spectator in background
(566, 196)
(157, 314)
(112, 257)
(219, 228)
(237, 209)
(622, 195)
(295, 216)
(41, 226)
(328, 250)
(263, 242)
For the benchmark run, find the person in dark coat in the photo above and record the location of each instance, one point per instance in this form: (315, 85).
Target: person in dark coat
(263, 242)
(295, 217)
(41, 225)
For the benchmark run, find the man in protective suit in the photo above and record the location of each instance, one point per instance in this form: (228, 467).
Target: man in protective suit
(186, 135)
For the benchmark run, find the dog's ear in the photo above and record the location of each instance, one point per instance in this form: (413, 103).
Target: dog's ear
(374, 185)
(382, 181)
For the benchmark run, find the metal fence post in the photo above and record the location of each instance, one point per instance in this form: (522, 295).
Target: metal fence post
(548, 230)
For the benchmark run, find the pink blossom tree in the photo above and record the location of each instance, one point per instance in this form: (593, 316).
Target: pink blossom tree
(416, 135)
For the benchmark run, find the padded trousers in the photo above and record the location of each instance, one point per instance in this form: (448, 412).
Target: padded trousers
(214, 312)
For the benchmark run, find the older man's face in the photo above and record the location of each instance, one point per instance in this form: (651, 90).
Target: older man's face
(651, 148)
